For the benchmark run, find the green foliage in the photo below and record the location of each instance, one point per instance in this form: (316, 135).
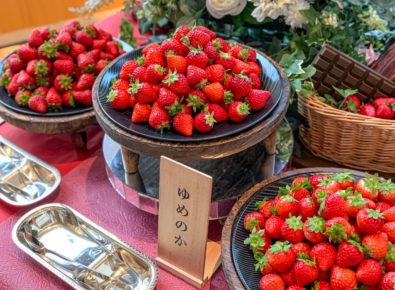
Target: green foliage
(126, 32)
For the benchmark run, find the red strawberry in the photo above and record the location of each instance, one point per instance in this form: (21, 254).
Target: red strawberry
(241, 67)
(313, 229)
(196, 38)
(369, 272)
(238, 111)
(211, 33)
(288, 278)
(204, 122)
(155, 73)
(215, 73)
(100, 65)
(121, 85)
(221, 44)
(63, 56)
(262, 264)
(13, 85)
(337, 229)
(143, 92)
(62, 83)
(220, 114)
(106, 56)
(177, 63)
(149, 47)
(387, 192)
(368, 187)
(26, 53)
(63, 41)
(38, 104)
(155, 56)
(25, 80)
(83, 97)
(228, 81)
(35, 38)
(167, 98)
(95, 53)
(389, 229)
(171, 46)
(382, 206)
(141, 113)
(385, 111)
(112, 48)
(368, 110)
(159, 118)
(292, 229)
(84, 38)
(99, 44)
(211, 51)
(281, 257)
(65, 67)
(39, 67)
(301, 247)
(273, 226)
(197, 57)
(307, 208)
(344, 179)
(343, 279)
(180, 32)
(305, 270)
(139, 74)
(226, 60)
(286, 206)
(196, 76)
(272, 282)
(214, 92)
(255, 81)
(16, 65)
(351, 103)
(320, 285)
(258, 241)
(355, 203)
(176, 82)
(101, 34)
(329, 184)
(240, 86)
(388, 281)
(76, 49)
(47, 50)
(370, 221)
(383, 100)
(196, 100)
(85, 82)
(333, 205)
(377, 245)
(315, 180)
(389, 214)
(324, 255)
(265, 207)
(54, 100)
(257, 99)
(132, 101)
(183, 124)
(85, 62)
(119, 99)
(389, 261)
(22, 97)
(68, 99)
(349, 254)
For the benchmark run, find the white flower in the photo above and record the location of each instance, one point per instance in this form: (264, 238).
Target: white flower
(220, 8)
(329, 19)
(294, 18)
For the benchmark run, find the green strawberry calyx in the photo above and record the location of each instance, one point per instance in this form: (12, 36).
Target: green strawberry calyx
(195, 102)
(387, 186)
(217, 44)
(261, 261)
(244, 53)
(303, 257)
(209, 118)
(356, 200)
(259, 204)
(390, 257)
(304, 184)
(65, 82)
(345, 193)
(41, 68)
(255, 240)
(225, 55)
(375, 214)
(316, 224)
(336, 233)
(49, 49)
(280, 247)
(357, 245)
(243, 109)
(343, 176)
(134, 87)
(171, 78)
(141, 60)
(321, 194)
(294, 223)
(228, 97)
(160, 69)
(111, 95)
(372, 182)
(175, 109)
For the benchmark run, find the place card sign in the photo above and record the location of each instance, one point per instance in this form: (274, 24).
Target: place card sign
(184, 204)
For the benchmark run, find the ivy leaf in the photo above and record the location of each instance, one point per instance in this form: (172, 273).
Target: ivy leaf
(295, 68)
(307, 89)
(328, 99)
(296, 85)
(162, 22)
(186, 20)
(309, 71)
(345, 93)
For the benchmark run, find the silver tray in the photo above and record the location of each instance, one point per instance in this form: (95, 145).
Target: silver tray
(24, 179)
(80, 252)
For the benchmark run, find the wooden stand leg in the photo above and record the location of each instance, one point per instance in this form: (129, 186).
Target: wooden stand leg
(132, 174)
(80, 140)
(270, 150)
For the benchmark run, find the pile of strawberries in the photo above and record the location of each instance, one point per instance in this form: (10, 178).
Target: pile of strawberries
(57, 68)
(190, 81)
(326, 232)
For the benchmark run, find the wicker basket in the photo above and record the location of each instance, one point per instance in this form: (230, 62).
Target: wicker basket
(346, 138)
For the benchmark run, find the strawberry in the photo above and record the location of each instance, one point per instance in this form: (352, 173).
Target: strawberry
(387, 192)
(226, 60)
(221, 44)
(132, 101)
(388, 281)
(197, 57)
(22, 97)
(26, 53)
(76, 49)
(35, 38)
(111, 48)
(211, 51)
(155, 56)
(84, 38)
(177, 63)
(349, 254)
(155, 73)
(204, 122)
(307, 208)
(324, 254)
(262, 263)
(238, 111)
(383, 100)
(376, 244)
(320, 285)
(273, 226)
(143, 92)
(215, 73)
(228, 81)
(211, 33)
(258, 241)
(183, 124)
(63, 56)
(313, 229)
(337, 229)
(141, 113)
(180, 32)
(13, 84)
(241, 67)
(272, 282)
(389, 261)
(389, 229)
(149, 47)
(83, 97)
(47, 33)
(382, 206)
(167, 98)
(368, 187)
(106, 56)
(355, 203)
(119, 99)
(100, 65)
(281, 257)
(62, 83)
(85, 82)
(196, 100)
(214, 92)
(39, 67)
(196, 38)
(85, 62)
(255, 81)
(257, 99)
(63, 41)
(286, 206)
(54, 100)
(343, 279)
(171, 46)
(159, 118)
(47, 50)
(305, 270)
(265, 207)
(95, 54)
(385, 111)
(301, 247)
(16, 64)
(38, 104)
(369, 272)
(389, 214)
(68, 99)
(288, 277)
(315, 180)
(101, 34)
(176, 82)
(368, 110)
(333, 205)
(196, 76)
(344, 179)
(64, 67)
(329, 184)
(99, 44)
(139, 74)
(25, 80)
(351, 103)
(120, 85)
(220, 114)
(292, 229)
(370, 221)
(241, 86)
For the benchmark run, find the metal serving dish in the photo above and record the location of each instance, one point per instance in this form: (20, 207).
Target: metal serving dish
(24, 179)
(81, 253)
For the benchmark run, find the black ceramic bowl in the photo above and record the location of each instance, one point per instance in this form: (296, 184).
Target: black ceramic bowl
(272, 79)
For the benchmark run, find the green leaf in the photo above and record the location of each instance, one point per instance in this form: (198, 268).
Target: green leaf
(297, 84)
(126, 32)
(186, 20)
(144, 26)
(346, 92)
(162, 22)
(309, 71)
(295, 68)
(307, 89)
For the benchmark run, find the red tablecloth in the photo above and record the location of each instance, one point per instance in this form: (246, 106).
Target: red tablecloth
(84, 187)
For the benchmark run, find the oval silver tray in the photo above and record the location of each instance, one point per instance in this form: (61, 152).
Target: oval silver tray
(80, 252)
(24, 179)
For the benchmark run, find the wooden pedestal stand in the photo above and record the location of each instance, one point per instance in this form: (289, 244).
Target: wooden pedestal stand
(76, 124)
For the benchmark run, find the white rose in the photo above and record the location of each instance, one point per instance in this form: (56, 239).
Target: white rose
(220, 8)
